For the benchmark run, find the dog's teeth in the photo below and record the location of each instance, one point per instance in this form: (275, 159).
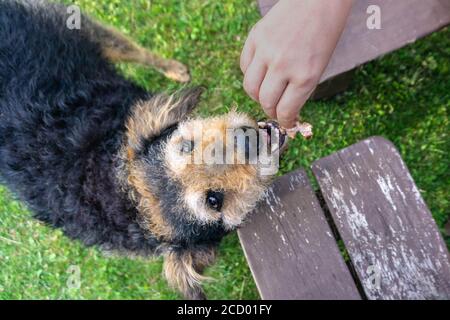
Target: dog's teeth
(262, 124)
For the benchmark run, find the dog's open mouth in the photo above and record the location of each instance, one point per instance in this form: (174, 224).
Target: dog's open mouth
(276, 137)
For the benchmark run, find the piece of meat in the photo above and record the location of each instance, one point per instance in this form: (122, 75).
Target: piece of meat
(304, 128)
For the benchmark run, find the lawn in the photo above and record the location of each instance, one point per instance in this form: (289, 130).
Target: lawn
(403, 97)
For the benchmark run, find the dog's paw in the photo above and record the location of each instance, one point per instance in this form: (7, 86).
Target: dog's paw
(177, 71)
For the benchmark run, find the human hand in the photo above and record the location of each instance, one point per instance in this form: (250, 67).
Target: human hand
(287, 51)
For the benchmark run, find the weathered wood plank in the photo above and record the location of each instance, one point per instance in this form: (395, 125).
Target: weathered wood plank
(402, 22)
(391, 237)
(290, 248)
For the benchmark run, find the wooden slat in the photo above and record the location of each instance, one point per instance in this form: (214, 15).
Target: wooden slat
(402, 21)
(385, 224)
(290, 248)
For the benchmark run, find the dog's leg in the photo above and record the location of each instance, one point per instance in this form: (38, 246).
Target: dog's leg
(183, 270)
(116, 47)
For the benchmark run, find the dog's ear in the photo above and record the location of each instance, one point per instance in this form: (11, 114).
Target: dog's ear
(187, 100)
(151, 117)
(183, 270)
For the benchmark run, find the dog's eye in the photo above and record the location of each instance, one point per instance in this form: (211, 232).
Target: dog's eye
(187, 146)
(214, 199)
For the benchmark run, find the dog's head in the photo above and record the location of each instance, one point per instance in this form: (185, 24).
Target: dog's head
(193, 179)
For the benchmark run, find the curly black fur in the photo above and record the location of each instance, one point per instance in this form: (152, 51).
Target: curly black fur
(62, 114)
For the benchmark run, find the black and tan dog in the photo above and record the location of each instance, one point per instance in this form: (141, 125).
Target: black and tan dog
(94, 154)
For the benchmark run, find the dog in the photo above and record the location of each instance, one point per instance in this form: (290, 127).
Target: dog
(96, 155)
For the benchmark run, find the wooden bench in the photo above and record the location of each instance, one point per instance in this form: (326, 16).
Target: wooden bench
(368, 204)
(402, 22)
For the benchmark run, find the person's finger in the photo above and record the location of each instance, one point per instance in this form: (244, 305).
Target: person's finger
(247, 53)
(270, 92)
(288, 108)
(253, 78)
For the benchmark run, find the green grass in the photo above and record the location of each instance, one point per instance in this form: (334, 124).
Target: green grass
(403, 97)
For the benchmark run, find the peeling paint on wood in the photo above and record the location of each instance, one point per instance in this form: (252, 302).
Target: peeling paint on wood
(389, 232)
(289, 233)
